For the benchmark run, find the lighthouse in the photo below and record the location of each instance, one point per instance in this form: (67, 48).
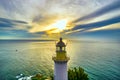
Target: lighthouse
(60, 61)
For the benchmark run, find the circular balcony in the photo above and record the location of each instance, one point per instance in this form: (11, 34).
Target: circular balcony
(61, 58)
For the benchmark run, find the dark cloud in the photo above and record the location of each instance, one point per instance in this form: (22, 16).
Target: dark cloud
(5, 25)
(101, 34)
(111, 7)
(10, 23)
(98, 24)
(37, 18)
(40, 33)
(20, 22)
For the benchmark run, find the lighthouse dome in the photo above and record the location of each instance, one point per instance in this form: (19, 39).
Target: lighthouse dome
(60, 43)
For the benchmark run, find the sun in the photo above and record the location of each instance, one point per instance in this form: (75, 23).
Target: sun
(61, 24)
(55, 27)
(58, 26)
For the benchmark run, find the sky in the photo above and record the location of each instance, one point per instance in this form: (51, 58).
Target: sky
(46, 19)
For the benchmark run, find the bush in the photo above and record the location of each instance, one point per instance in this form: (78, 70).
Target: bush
(73, 74)
(77, 74)
(38, 77)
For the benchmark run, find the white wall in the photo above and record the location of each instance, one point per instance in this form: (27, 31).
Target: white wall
(60, 72)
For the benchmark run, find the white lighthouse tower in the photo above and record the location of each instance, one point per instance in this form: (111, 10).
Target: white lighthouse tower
(60, 62)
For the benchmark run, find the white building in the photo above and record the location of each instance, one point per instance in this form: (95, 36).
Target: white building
(60, 62)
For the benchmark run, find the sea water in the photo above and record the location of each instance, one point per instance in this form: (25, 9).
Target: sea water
(100, 60)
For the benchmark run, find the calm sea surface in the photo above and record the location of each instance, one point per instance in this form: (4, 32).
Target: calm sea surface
(100, 60)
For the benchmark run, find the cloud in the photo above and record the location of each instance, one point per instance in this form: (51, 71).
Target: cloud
(111, 7)
(10, 21)
(16, 28)
(74, 31)
(9, 24)
(99, 24)
(108, 27)
(35, 17)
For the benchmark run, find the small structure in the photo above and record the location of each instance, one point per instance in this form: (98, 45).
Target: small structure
(60, 61)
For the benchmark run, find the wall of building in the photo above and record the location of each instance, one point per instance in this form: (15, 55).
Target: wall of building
(60, 72)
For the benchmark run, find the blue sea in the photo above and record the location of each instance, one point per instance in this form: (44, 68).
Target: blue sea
(100, 60)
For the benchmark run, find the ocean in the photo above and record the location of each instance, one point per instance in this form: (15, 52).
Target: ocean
(100, 60)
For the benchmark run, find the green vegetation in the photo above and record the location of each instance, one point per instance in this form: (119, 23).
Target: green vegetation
(38, 77)
(73, 74)
(77, 74)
